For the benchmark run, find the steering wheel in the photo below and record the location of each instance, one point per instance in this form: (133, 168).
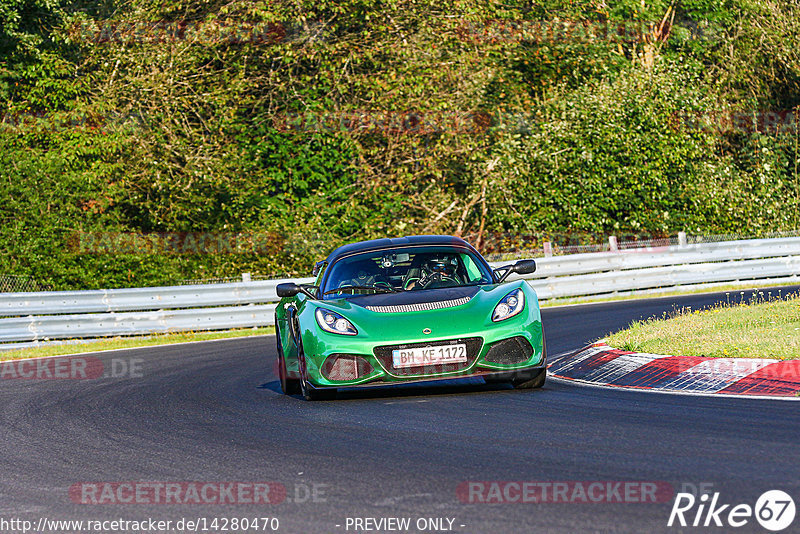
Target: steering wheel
(425, 281)
(409, 282)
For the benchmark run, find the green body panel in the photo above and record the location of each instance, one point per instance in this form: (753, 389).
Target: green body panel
(473, 319)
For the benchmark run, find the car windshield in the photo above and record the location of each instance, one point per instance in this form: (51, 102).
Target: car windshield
(404, 269)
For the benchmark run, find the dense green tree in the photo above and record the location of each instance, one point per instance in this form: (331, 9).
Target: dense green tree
(311, 124)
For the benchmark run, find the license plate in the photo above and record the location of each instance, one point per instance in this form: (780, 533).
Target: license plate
(435, 355)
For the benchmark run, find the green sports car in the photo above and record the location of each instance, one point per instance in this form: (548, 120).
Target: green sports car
(409, 309)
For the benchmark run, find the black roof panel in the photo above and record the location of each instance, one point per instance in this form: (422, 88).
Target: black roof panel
(378, 244)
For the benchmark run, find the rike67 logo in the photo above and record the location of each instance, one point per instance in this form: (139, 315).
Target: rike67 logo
(774, 510)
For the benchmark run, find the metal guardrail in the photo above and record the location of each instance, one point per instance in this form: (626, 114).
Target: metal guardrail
(648, 268)
(148, 298)
(657, 277)
(33, 328)
(31, 318)
(665, 256)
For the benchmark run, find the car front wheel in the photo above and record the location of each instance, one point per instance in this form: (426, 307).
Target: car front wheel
(536, 380)
(311, 394)
(308, 392)
(529, 382)
(289, 386)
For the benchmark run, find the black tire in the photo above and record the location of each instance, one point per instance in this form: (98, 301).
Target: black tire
(311, 394)
(308, 392)
(289, 386)
(533, 381)
(530, 382)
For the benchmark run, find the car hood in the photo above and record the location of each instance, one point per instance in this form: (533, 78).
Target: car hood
(419, 316)
(407, 298)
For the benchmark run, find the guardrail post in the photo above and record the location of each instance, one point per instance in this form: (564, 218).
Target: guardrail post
(245, 277)
(613, 246)
(682, 239)
(548, 249)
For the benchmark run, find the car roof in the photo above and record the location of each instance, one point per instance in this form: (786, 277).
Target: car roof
(395, 242)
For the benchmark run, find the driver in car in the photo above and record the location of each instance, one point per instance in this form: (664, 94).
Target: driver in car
(436, 272)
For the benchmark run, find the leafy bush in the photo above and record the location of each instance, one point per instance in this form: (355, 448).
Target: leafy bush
(350, 120)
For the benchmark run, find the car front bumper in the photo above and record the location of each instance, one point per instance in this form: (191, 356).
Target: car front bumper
(495, 353)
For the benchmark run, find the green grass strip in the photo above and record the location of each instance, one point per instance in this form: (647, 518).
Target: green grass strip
(761, 328)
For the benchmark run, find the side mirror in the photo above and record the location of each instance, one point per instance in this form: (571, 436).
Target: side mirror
(317, 267)
(290, 289)
(524, 267)
(521, 267)
(287, 290)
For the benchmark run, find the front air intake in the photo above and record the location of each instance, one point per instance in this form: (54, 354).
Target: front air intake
(510, 351)
(345, 367)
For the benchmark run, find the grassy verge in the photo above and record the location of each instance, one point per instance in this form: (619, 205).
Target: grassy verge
(130, 342)
(759, 329)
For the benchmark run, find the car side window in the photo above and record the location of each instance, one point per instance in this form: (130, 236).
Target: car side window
(402, 270)
(320, 274)
(473, 271)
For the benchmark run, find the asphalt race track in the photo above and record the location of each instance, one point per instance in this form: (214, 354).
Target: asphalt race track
(213, 412)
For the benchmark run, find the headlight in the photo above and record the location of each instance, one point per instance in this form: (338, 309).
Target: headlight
(509, 306)
(334, 323)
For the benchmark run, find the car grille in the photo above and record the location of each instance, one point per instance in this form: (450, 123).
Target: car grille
(510, 351)
(422, 306)
(384, 355)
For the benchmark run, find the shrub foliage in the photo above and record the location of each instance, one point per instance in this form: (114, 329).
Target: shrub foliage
(311, 124)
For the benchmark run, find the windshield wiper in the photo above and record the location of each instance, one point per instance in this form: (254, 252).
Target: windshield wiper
(379, 289)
